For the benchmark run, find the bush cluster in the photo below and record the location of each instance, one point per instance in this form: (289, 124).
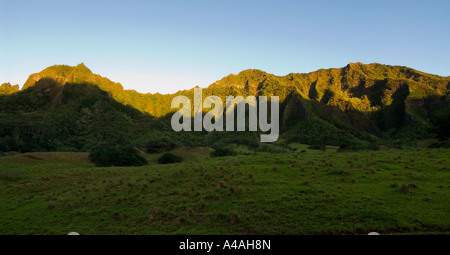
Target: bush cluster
(168, 158)
(117, 157)
(222, 152)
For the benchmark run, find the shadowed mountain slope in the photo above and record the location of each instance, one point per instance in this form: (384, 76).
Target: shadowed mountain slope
(357, 106)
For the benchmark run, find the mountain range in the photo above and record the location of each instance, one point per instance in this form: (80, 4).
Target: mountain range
(359, 106)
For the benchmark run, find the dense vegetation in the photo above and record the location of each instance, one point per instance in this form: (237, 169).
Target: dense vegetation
(117, 157)
(222, 152)
(358, 107)
(168, 158)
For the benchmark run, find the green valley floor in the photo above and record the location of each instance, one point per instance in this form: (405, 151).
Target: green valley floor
(300, 192)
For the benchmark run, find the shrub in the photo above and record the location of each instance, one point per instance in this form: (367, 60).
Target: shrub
(117, 157)
(317, 147)
(444, 144)
(441, 123)
(168, 158)
(222, 152)
(271, 148)
(160, 143)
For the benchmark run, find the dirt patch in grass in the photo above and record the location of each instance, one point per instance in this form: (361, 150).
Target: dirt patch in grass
(32, 157)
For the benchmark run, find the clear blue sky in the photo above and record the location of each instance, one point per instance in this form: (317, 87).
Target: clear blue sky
(164, 46)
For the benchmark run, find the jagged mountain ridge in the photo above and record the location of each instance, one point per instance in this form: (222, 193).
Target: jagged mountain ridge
(359, 87)
(356, 104)
(353, 85)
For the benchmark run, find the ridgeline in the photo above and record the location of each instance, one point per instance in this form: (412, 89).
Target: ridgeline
(359, 106)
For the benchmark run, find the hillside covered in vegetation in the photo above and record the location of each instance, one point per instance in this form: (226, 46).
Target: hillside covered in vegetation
(359, 106)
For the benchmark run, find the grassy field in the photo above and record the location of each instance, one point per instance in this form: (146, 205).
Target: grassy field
(301, 192)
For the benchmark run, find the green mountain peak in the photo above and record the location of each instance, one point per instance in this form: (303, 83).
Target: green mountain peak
(82, 68)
